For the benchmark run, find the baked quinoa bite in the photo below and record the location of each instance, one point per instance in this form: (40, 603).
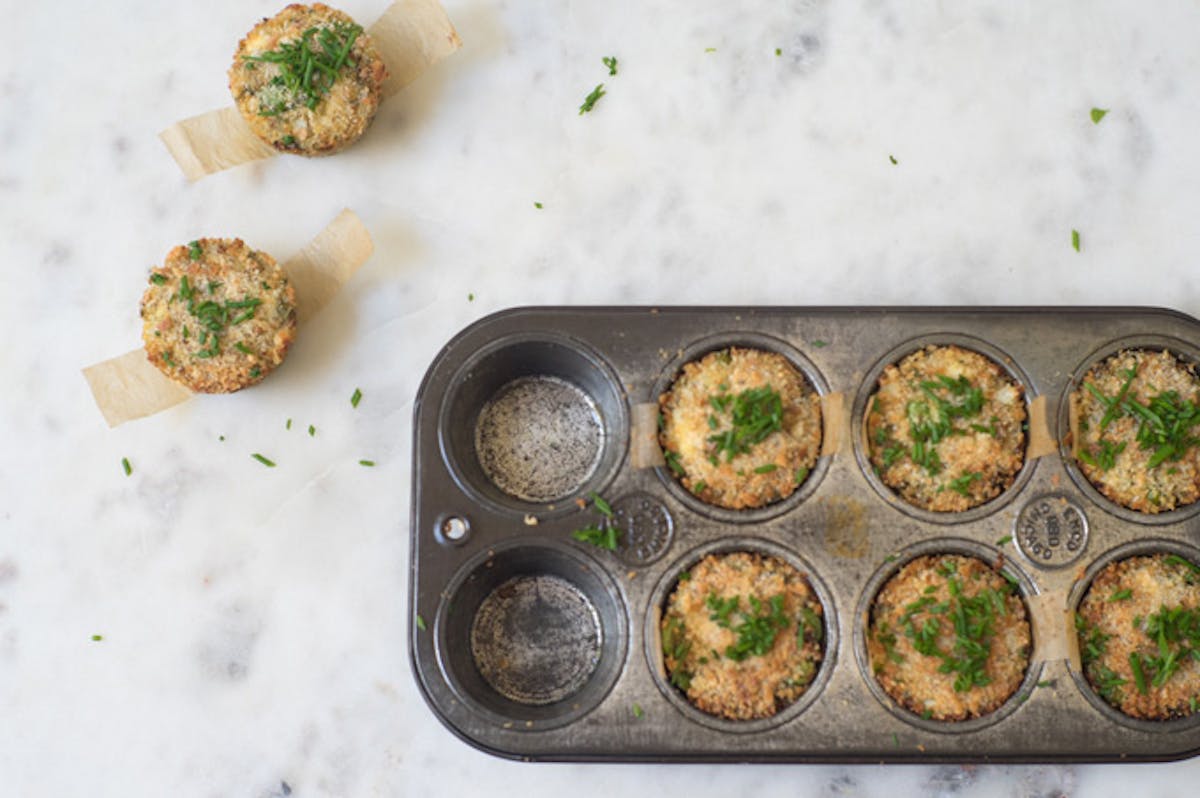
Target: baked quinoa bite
(740, 428)
(949, 638)
(308, 80)
(1139, 636)
(1135, 418)
(743, 634)
(946, 429)
(218, 316)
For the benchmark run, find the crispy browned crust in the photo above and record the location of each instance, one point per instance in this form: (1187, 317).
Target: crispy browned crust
(913, 679)
(1152, 584)
(747, 480)
(996, 459)
(1130, 482)
(176, 337)
(758, 686)
(341, 116)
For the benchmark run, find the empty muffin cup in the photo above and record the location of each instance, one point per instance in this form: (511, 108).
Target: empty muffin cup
(531, 636)
(532, 421)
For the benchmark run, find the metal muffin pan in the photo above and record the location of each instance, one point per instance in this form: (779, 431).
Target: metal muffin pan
(529, 644)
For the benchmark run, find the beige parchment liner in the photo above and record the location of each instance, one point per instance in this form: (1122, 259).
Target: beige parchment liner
(1041, 441)
(411, 36)
(1054, 628)
(129, 387)
(835, 419)
(644, 450)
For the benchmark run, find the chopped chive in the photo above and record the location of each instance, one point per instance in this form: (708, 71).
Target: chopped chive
(1046, 683)
(801, 474)
(126, 466)
(355, 398)
(97, 638)
(589, 102)
(288, 425)
(611, 63)
(538, 205)
(194, 251)
(699, 487)
(1121, 595)
(766, 469)
(1098, 114)
(263, 460)
(637, 711)
(220, 437)
(241, 347)
(256, 372)
(420, 622)
(1075, 239)
(213, 286)
(778, 51)
(1004, 541)
(710, 49)
(895, 740)
(818, 344)
(604, 507)
(367, 463)
(288, 141)
(157, 279)
(892, 158)
(470, 297)
(1139, 677)
(312, 431)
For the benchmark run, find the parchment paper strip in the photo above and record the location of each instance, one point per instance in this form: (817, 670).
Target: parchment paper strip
(412, 35)
(836, 422)
(1073, 426)
(130, 387)
(644, 451)
(214, 141)
(1041, 442)
(1052, 627)
(327, 263)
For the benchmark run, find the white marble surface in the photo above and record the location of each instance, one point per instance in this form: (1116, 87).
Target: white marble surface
(253, 619)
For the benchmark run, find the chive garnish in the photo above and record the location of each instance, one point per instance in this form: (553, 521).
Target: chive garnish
(605, 538)
(611, 63)
(892, 158)
(699, 487)
(241, 347)
(1121, 595)
(766, 469)
(778, 51)
(1004, 540)
(1097, 114)
(256, 372)
(1075, 240)
(126, 466)
(470, 297)
(288, 141)
(637, 711)
(288, 425)
(589, 102)
(420, 622)
(97, 638)
(801, 474)
(157, 279)
(194, 251)
(355, 397)
(307, 68)
(367, 463)
(1139, 676)
(604, 507)
(263, 460)
(537, 205)
(312, 431)
(753, 414)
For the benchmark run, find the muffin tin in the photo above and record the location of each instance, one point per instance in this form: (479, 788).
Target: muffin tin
(530, 644)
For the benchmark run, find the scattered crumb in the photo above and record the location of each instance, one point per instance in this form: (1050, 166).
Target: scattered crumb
(531, 520)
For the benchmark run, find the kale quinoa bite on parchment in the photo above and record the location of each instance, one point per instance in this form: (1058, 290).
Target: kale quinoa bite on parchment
(740, 428)
(1135, 421)
(218, 316)
(949, 637)
(308, 80)
(946, 429)
(1139, 636)
(743, 635)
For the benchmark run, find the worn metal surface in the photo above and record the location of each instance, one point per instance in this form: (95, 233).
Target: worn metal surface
(842, 526)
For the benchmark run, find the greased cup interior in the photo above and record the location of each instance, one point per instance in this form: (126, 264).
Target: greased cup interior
(1141, 602)
(1103, 449)
(531, 421)
(948, 418)
(781, 647)
(531, 635)
(980, 627)
(792, 466)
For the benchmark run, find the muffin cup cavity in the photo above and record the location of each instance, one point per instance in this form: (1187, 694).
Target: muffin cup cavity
(893, 567)
(654, 638)
(1116, 601)
(533, 421)
(810, 478)
(1068, 428)
(862, 447)
(531, 635)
